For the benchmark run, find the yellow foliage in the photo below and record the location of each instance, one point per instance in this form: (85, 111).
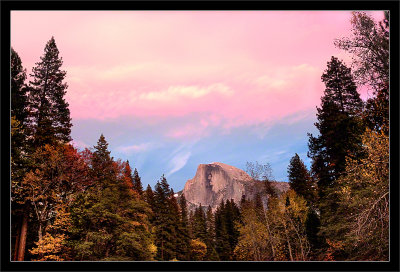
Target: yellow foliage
(198, 249)
(48, 248)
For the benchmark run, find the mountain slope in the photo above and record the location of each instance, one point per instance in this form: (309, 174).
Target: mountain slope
(217, 181)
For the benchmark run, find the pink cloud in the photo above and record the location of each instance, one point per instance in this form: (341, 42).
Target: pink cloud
(231, 67)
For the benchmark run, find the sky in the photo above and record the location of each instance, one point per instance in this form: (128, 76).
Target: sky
(174, 89)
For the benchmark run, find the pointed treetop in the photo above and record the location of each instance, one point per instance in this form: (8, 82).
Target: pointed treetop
(137, 183)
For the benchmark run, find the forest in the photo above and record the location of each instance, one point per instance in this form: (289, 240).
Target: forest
(84, 205)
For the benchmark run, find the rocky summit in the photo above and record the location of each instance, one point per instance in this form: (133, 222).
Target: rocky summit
(217, 181)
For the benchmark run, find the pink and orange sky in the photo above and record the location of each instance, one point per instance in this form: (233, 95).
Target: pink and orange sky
(168, 88)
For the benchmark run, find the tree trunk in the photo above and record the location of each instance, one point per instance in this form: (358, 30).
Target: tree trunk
(23, 234)
(40, 234)
(288, 242)
(17, 239)
(270, 236)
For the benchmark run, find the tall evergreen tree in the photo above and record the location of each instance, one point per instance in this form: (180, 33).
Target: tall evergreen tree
(183, 248)
(149, 198)
(110, 222)
(137, 184)
(102, 162)
(19, 103)
(212, 254)
(50, 121)
(127, 172)
(339, 124)
(221, 233)
(164, 221)
(340, 128)
(226, 233)
(199, 224)
(300, 179)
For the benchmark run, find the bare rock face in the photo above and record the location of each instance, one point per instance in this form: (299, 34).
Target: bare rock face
(217, 181)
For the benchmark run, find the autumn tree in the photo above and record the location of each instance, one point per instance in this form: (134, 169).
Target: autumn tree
(287, 215)
(198, 250)
(361, 223)
(254, 239)
(110, 222)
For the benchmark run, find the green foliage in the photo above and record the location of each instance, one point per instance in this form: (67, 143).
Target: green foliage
(137, 184)
(226, 233)
(300, 180)
(361, 223)
(183, 235)
(199, 224)
(19, 113)
(165, 220)
(109, 219)
(340, 126)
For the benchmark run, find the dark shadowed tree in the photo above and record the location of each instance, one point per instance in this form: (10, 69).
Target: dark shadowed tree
(50, 121)
(340, 127)
(137, 184)
(300, 179)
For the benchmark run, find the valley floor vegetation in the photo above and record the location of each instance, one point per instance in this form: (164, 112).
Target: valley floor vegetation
(86, 206)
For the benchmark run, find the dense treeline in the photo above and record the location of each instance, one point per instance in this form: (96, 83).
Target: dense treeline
(85, 205)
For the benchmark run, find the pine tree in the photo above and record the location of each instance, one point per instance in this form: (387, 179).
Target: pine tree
(221, 233)
(149, 198)
(312, 227)
(299, 178)
(102, 162)
(232, 215)
(164, 221)
(128, 175)
(226, 217)
(19, 103)
(212, 254)
(340, 128)
(110, 222)
(50, 121)
(183, 248)
(199, 224)
(339, 124)
(137, 184)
